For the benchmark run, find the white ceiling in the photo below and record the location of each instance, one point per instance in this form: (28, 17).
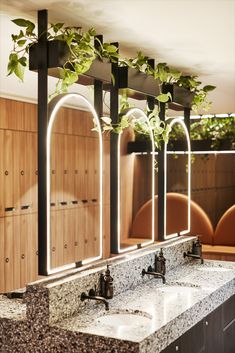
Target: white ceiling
(196, 36)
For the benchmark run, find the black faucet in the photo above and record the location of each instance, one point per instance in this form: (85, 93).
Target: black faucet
(92, 295)
(196, 252)
(153, 273)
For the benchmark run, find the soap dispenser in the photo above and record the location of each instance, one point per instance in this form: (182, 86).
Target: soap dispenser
(106, 284)
(160, 263)
(197, 247)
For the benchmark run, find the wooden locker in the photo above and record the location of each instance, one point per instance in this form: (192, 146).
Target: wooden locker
(9, 255)
(96, 230)
(2, 177)
(69, 225)
(18, 167)
(79, 233)
(53, 175)
(8, 173)
(28, 248)
(15, 115)
(2, 255)
(59, 122)
(53, 242)
(79, 122)
(80, 168)
(59, 169)
(30, 117)
(3, 117)
(32, 166)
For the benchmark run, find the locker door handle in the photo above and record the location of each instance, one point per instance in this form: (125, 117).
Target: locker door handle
(74, 202)
(10, 209)
(25, 207)
(94, 200)
(52, 204)
(84, 201)
(63, 203)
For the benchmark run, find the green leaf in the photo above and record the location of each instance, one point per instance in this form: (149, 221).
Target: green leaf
(21, 22)
(92, 32)
(56, 27)
(208, 88)
(21, 42)
(110, 48)
(23, 61)
(106, 120)
(19, 71)
(164, 97)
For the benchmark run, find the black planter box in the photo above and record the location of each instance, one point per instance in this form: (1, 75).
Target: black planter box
(139, 146)
(58, 53)
(201, 145)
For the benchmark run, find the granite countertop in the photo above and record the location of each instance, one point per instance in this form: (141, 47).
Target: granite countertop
(12, 309)
(191, 292)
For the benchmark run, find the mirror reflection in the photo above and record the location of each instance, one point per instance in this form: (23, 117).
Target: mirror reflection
(178, 174)
(75, 188)
(136, 181)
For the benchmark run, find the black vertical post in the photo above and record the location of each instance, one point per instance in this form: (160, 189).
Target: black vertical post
(187, 118)
(42, 131)
(114, 114)
(161, 181)
(150, 99)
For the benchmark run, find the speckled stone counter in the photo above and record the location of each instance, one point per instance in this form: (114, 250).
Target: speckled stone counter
(57, 321)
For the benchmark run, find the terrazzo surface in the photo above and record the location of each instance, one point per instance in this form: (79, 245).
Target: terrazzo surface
(190, 293)
(12, 309)
(52, 319)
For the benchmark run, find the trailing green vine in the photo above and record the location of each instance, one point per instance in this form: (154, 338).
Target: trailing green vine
(84, 48)
(159, 129)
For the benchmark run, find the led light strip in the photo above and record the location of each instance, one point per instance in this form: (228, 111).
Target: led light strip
(128, 113)
(181, 122)
(53, 108)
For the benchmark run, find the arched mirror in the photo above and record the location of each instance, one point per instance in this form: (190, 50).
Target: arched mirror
(177, 191)
(135, 182)
(74, 183)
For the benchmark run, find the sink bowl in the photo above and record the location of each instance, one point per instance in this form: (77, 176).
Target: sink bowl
(122, 320)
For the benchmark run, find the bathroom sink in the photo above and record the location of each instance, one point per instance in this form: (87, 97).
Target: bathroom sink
(122, 320)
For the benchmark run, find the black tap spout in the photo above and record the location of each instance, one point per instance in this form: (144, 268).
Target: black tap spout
(194, 256)
(92, 296)
(153, 273)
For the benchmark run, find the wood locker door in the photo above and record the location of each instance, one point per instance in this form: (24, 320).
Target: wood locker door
(53, 175)
(69, 226)
(2, 178)
(79, 232)
(80, 168)
(9, 254)
(8, 173)
(2, 255)
(28, 248)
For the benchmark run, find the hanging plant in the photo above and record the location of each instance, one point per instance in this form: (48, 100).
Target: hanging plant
(159, 129)
(82, 53)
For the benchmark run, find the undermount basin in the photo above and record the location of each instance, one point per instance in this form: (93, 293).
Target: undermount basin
(122, 320)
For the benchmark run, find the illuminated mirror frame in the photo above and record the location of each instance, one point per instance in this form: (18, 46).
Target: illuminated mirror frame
(188, 152)
(128, 113)
(53, 108)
